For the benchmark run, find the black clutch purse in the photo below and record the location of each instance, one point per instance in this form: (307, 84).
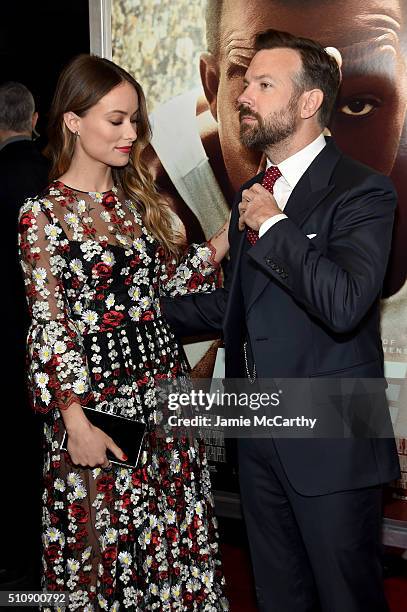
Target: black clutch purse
(127, 434)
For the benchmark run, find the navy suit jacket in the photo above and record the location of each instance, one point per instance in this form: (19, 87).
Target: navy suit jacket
(314, 307)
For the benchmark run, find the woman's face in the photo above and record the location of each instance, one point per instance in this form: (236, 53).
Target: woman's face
(109, 128)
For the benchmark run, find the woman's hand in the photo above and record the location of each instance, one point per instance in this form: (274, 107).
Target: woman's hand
(220, 242)
(87, 444)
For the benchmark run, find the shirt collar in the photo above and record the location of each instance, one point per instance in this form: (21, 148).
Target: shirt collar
(294, 167)
(13, 139)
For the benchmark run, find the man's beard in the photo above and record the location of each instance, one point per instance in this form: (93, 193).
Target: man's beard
(272, 130)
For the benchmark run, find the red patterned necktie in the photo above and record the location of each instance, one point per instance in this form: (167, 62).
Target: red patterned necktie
(270, 176)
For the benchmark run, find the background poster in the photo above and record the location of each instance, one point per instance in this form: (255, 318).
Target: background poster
(190, 61)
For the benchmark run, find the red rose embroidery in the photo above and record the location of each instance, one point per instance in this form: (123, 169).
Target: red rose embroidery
(172, 534)
(109, 555)
(109, 201)
(26, 221)
(195, 281)
(113, 318)
(135, 261)
(105, 483)
(84, 578)
(147, 316)
(77, 512)
(52, 552)
(126, 500)
(102, 270)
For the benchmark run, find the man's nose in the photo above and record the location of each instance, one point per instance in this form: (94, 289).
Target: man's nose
(246, 98)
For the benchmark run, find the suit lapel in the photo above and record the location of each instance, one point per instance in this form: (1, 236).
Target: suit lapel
(235, 299)
(313, 187)
(304, 200)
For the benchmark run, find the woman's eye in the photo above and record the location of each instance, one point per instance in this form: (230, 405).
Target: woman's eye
(358, 107)
(115, 122)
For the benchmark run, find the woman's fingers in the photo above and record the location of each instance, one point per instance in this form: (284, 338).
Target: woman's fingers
(116, 450)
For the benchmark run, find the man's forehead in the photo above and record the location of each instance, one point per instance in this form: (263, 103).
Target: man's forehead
(341, 23)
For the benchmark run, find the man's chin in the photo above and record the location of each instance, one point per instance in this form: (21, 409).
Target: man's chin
(249, 140)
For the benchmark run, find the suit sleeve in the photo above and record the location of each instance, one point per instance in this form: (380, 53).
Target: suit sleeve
(340, 284)
(202, 313)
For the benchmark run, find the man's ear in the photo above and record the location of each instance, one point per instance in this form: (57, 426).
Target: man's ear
(72, 121)
(311, 103)
(209, 70)
(34, 120)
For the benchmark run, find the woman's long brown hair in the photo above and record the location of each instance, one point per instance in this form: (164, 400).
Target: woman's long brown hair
(84, 81)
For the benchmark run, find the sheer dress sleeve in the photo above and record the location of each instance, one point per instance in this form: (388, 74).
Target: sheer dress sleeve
(56, 364)
(196, 272)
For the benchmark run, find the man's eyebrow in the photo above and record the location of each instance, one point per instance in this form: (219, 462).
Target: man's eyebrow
(236, 70)
(262, 77)
(259, 77)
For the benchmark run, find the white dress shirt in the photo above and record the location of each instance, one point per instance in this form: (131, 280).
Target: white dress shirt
(291, 170)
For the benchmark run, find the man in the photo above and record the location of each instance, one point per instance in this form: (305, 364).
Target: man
(23, 170)
(301, 300)
(23, 173)
(368, 122)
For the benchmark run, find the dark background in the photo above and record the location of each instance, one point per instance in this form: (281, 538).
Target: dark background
(37, 39)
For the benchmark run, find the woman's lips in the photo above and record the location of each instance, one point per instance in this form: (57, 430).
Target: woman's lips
(124, 149)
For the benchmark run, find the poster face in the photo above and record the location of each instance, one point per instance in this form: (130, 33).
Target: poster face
(191, 62)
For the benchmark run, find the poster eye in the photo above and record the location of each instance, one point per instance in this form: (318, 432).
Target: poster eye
(359, 107)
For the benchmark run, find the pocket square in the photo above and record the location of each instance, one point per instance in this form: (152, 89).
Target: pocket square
(311, 236)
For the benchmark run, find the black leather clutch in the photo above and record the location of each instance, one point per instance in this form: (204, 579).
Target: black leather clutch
(127, 434)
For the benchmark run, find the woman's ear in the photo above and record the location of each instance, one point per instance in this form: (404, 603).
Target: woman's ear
(72, 122)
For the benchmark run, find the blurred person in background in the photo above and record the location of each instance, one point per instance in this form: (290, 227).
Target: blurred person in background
(23, 173)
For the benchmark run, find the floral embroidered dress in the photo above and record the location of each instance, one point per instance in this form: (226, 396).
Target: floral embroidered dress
(143, 539)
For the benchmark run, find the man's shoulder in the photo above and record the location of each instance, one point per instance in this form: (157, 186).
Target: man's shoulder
(350, 173)
(23, 153)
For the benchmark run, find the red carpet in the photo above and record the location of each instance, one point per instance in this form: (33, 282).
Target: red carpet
(236, 563)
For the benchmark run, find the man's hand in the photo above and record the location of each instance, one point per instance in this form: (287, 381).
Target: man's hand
(257, 206)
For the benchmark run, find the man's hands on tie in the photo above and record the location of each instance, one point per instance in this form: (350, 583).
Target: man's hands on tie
(257, 205)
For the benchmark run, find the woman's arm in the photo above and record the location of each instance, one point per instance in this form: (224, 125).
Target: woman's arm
(220, 243)
(57, 370)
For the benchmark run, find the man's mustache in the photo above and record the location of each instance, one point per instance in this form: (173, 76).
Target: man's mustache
(246, 112)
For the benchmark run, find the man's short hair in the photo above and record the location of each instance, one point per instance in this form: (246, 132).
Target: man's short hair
(17, 107)
(319, 69)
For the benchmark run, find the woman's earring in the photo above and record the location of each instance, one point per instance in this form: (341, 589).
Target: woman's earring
(77, 133)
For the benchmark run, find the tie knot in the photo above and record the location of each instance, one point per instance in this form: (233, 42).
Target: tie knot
(270, 176)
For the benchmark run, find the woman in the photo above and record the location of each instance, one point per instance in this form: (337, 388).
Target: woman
(95, 250)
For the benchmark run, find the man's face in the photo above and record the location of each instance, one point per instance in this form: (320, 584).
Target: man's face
(371, 108)
(268, 105)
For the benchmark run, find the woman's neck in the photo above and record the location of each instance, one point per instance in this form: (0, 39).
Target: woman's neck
(96, 178)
